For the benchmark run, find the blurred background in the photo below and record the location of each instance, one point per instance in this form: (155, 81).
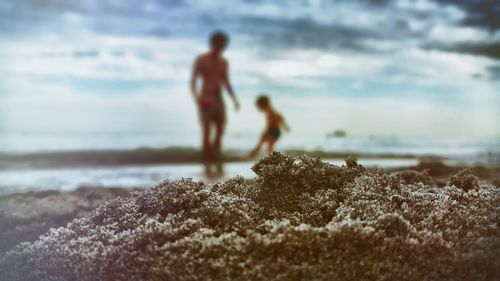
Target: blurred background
(96, 92)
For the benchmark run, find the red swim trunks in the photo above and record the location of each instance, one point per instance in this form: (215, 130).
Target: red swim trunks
(212, 110)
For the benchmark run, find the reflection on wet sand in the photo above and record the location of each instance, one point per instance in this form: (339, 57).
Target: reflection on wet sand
(69, 178)
(214, 171)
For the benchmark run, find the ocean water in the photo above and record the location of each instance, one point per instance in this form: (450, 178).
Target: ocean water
(463, 151)
(142, 176)
(446, 147)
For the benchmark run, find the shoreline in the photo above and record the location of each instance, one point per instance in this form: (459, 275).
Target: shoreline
(23, 175)
(153, 156)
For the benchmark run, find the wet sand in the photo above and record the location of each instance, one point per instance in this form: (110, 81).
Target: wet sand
(148, 156)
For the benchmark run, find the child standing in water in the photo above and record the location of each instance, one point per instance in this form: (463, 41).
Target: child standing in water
(274, 124)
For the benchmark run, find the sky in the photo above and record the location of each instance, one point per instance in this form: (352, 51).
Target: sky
(423, 68)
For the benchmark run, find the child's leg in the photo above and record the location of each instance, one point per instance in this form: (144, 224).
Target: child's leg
(256, 150)
(270, 147)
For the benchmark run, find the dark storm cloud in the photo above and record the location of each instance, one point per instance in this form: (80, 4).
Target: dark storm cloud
(479, 13)
(289, 28)
(307, 33)
(164, 18)
(167, 18)
(487, 49)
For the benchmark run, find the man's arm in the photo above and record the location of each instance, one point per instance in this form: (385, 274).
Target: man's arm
(194, 78)
(228, 86)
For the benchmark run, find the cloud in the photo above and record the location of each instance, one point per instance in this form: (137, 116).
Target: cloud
(110, 57)
(305, 33)
(482, 14)
(61, 107)
(83, 54)
(487, 49)
(432, 51)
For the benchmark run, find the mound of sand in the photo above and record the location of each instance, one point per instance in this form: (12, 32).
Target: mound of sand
(301, 220)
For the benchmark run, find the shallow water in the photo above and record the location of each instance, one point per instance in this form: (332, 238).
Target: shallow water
(446, 147)
(142, 176)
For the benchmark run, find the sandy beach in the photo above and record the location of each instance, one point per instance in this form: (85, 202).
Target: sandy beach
(359, 208)
(25, 216)
(195, 140)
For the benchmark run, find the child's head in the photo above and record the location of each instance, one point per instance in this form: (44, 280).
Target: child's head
(263, 102)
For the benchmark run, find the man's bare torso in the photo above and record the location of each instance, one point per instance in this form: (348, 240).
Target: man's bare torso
(213, 71)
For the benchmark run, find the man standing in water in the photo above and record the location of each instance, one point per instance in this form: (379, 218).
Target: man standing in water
(212, 67)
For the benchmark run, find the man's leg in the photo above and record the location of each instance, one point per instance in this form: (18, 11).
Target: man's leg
(219, 132)
(207, 153)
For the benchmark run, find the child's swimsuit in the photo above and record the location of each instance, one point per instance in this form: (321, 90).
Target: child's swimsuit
(274, 133)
